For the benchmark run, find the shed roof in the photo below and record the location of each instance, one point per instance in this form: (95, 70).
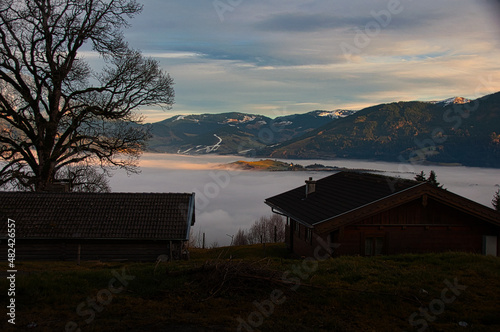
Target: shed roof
(134, 216)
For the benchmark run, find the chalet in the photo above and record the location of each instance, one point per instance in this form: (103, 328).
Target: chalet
(91, 226)
(367, 214)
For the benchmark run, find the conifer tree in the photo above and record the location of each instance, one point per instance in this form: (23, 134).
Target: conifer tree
(433, 179)
(420, 177)
(496, 200)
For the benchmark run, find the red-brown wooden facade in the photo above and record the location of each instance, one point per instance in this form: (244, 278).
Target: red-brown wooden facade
(419, 219)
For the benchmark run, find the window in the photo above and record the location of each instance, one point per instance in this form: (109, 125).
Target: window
(335, 236)
(297, 227)
(490, 245)
(379, 245)
(308, 235)
(374, 246)
(369, 246)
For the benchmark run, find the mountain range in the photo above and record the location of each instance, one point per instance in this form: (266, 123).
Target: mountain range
(457, 131)
(453, 131)
(233, 133)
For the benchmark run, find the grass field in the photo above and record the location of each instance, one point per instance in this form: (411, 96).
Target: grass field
(252, 288)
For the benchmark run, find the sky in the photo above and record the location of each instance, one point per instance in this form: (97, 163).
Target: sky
(281, 57)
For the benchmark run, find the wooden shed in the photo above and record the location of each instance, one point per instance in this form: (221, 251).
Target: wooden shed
(97, 226)
(359, 213)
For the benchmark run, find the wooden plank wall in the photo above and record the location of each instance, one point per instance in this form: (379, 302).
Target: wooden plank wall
(414, 227)
(105, 251)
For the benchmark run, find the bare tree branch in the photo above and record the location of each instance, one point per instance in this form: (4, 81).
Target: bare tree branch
(54, 110)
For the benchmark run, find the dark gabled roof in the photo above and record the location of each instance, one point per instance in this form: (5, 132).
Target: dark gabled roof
(337, 194)
(345, 197)
(134, 216)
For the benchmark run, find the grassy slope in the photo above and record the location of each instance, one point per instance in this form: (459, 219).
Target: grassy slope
(261, 165)
(216, 287)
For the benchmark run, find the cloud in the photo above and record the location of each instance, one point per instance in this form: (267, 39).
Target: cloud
(285, 54)
(177, 165)
(216, 218)
(314, 22)
(304, 22)
(175, 55)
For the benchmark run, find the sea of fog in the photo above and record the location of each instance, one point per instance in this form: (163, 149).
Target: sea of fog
(229, 200)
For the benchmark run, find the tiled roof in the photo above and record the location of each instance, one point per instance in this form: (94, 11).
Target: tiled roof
(134, 216)
(337, 194)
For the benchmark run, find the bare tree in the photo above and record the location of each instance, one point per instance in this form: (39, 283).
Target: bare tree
(55, 111)
(267, 229)
(240, 239)
(87, 178)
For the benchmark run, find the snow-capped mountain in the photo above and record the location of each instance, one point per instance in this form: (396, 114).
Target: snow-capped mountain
(452, 100)
(450, 131)
(233, 132)
(335, 114)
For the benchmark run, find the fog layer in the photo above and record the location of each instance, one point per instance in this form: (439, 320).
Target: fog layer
(229, 200)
